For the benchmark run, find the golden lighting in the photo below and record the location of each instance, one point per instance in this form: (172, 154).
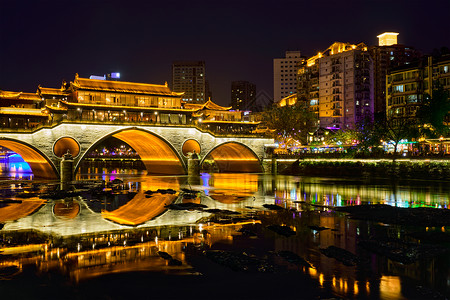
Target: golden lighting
(390, 287)
(234, 157)
(66, 144)
(22, 249)
(67, 210)
(157, 156)
(140, 209)
(233, 188)
(40, 166)
(190, 146)
(15, 211)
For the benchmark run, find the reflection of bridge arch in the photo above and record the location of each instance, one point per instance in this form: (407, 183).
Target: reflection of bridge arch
(140, 209)
(39, 163)
(234, 157)
(66, 209)
(157, 154)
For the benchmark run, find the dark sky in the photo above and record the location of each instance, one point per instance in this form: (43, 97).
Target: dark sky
(44, 42)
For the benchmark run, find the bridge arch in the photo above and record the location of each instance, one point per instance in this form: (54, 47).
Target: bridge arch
(157, 154)
(39, 163)
(234, 157)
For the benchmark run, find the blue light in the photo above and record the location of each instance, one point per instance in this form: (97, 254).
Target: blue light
(15, 164)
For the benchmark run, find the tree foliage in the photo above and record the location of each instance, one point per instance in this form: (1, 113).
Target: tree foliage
(290, 121)
(364, 135)
(434, 110)
(394, 129)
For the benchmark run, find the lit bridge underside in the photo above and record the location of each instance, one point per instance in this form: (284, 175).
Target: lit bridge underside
(40, 166)
(157, 156)
(233, 157)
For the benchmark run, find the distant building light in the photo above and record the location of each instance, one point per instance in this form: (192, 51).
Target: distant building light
(97, 77)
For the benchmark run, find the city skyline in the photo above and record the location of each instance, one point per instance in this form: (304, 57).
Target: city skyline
(47, 41)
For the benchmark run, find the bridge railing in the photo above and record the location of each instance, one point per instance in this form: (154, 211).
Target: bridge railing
(201, 127)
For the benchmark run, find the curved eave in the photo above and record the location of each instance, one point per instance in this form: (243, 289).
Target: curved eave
(230, 122)
(23, 114)
(56, 109)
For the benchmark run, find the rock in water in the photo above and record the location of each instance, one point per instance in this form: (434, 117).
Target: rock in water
(342, 255)
(282, 230)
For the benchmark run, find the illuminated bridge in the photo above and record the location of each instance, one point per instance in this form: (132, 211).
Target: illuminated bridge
(162, 149)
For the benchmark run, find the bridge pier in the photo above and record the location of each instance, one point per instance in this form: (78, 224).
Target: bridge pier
(66, 169)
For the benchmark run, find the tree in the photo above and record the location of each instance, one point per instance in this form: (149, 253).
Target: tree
(393, 129)
(290, 122)
(364, 135)
(434, 111)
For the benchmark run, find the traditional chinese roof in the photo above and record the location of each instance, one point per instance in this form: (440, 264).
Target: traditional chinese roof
(118, 107)
(123, 87)
(57, 109)
(20, 112)
(230, 122)
(51, 91)
(208, 105)
(19, 96)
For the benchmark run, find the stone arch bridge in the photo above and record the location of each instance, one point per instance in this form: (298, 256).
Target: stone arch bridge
(162, 149)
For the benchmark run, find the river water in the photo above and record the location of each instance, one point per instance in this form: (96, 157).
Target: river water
(85, 237)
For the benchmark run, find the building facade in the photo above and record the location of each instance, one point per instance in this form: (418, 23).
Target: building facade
(387, 55)
(406, 86)
(345, 86)
(243, 95)
(285, 75)
(188, 77)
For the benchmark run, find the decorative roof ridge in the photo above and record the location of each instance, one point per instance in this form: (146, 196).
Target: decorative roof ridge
(126, 82)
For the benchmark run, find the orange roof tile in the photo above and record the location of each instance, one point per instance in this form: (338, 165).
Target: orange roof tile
(19, 96)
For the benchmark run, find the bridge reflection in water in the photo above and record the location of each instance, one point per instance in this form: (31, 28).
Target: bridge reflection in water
(103, 236)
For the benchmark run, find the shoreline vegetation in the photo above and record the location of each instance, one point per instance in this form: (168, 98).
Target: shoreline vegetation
(395, 168)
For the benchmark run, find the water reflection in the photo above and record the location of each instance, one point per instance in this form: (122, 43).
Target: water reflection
(95, 234)
(338, 192)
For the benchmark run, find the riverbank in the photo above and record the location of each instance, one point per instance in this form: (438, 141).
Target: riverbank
(398, 168)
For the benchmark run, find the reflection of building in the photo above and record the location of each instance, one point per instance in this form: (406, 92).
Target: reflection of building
(243, 95)
(387, 55)
(285, 75)
(406, 86)
(189, 77)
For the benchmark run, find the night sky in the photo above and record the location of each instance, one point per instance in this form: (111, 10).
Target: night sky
(44, 42)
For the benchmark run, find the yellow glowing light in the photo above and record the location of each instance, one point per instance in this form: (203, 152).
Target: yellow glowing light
(40, 166)
(157, 156)
(140, 209)
(15, 211)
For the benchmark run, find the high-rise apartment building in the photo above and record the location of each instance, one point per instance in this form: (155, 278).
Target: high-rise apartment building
(407, 85)
(285, 75)
(189, 77)
(387, 55)
(345, 85)
(308, 83)
(243, 95)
